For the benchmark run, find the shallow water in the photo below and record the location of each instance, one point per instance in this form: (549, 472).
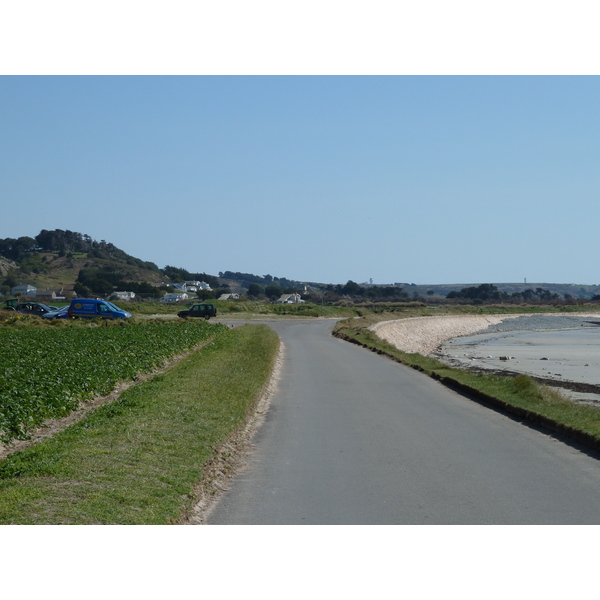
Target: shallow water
(571, 355)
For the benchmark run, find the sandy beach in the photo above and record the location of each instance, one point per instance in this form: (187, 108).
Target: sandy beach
(561, 350)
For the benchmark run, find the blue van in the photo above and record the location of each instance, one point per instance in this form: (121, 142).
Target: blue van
(95, 309)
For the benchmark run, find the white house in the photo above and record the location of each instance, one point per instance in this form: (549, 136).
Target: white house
(25, 289)
(194, 286)
(229, 297)
(289, 299)
(123, 296)
(176, 297)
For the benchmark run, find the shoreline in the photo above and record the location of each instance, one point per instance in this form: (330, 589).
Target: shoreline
(559, 350)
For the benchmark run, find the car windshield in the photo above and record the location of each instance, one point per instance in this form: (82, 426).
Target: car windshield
(113, 307)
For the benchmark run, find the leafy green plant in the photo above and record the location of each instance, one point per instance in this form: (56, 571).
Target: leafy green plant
(46, 372)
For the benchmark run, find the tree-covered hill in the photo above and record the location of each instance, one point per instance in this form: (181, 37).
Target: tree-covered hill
(54, 260)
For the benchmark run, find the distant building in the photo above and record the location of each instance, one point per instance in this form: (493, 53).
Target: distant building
(175, 297)
(229, 297)
(199, 285)
(123, 296)
(289, 299)
(50, 295)
(25, 289)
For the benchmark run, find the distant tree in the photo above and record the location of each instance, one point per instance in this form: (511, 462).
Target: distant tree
(352, 289)
(206, 294)
(82, 290)
(273, 291)
(255, 290)
(11, 280)
(481, 293)
(101, 286)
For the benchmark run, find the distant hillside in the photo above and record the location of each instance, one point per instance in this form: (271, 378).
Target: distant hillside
(68, 260)
(55, 259)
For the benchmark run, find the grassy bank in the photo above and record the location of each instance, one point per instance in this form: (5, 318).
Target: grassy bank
(520, 396)
(137, 460)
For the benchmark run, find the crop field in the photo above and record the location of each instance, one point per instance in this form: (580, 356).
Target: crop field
(45, 373)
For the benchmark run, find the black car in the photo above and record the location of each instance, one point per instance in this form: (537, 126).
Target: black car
(33, 308)
(204, 310)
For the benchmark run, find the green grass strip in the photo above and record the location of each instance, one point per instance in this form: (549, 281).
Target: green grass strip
(137, 460)
(521, 396)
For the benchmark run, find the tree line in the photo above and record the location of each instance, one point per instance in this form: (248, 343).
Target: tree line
(487, 292)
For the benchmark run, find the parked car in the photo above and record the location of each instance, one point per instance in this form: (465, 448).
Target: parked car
(204, 309)
(88, 308)
(33, 308)
(59, 313)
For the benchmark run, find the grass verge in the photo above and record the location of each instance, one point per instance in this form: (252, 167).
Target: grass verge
(520, 396)
(138, 460)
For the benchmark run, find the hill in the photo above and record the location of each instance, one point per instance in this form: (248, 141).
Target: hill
(58, 259)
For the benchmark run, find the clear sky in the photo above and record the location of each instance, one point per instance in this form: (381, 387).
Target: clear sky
(282, 151)
(417, 179)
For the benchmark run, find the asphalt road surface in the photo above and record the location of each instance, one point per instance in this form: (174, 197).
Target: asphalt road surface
(354, 438)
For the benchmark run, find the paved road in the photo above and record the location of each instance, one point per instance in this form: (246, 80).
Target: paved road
(353, 438)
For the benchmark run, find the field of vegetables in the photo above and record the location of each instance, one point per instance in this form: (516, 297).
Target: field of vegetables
(46, 372)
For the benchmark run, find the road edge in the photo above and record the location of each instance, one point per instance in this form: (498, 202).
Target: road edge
(231, 457)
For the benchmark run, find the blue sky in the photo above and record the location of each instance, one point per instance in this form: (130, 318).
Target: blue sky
(417, 179)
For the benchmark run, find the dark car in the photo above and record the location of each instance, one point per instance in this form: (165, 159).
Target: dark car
(205, 310)
(59, 313)
(33, 308)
